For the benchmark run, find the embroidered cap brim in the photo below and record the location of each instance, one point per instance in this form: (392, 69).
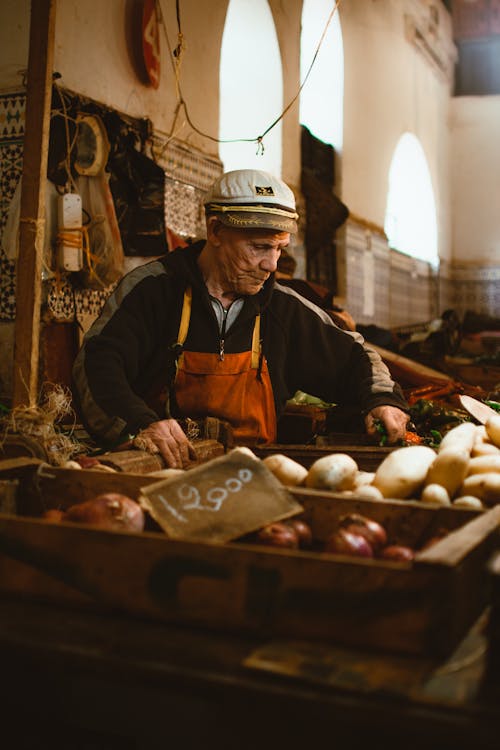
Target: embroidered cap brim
(255, 217)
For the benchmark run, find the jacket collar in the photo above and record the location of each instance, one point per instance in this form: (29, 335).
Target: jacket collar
(184, 262)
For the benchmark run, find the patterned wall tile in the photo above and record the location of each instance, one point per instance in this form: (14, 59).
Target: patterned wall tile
(189, 173)
(405, 289)
(471, 288)
(183, 208)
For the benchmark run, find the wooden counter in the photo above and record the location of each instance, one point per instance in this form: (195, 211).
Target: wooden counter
(78, 680)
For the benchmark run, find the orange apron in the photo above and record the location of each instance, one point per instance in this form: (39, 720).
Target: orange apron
(233, 387)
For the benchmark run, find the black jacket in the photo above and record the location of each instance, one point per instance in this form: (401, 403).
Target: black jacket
(131, 347)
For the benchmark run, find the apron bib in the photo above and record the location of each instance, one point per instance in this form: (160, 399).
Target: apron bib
(233, 387)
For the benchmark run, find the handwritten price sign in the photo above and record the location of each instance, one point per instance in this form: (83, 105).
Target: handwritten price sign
(219, 500)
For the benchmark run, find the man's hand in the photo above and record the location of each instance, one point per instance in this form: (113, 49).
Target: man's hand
(171, 442)
(393, 419)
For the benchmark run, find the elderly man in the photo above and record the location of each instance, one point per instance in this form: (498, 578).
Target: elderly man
(206, 331)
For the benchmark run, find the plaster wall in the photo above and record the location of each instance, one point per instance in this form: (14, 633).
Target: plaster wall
(475, 179)
(14, 42)
(390, 89)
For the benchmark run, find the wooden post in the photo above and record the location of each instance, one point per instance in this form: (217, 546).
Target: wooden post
(32, 221)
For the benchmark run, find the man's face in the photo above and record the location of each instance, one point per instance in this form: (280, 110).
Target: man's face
(247, 257)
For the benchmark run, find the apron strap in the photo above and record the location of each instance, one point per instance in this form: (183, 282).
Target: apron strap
(184, 328)
(185, 316)
(256, 344)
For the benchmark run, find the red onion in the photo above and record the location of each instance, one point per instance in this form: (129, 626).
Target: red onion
(54, 515)
(441, 533)
(303, 531)
(371, 530)
(278, 535)
(110, 510)
(397, 552)
(87, 462)
(343, 542)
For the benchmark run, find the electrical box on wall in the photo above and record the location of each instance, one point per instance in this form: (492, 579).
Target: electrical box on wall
(70, 241)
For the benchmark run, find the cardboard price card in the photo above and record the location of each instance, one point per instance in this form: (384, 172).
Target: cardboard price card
(220, 500)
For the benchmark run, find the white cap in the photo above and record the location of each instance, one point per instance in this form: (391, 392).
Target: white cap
(252, 199)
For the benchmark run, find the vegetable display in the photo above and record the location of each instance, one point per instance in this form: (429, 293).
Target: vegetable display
(463, 470)
(355, 535)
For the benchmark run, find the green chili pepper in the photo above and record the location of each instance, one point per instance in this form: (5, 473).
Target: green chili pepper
(380, 428)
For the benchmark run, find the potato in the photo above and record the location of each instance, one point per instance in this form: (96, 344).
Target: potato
(492, 426)
(246, 451)
(481, 434)
(435, 493)
(448, 469)
(367, 492)
(362, 478)
(460, 437)
(484, 448)
(336, 471)
(484, 486)
(103, 467)
(468, 501)
(288, 471)
(484, 464)
(166, 473)
(71, 465)
(402, 473)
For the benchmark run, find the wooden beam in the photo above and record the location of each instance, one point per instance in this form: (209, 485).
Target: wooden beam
(32, 220)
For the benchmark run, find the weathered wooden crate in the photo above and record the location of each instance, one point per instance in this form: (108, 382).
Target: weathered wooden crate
(423, 607)
(492, 676)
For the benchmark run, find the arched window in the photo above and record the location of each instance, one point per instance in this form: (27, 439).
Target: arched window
(251, 87)
(410, 219)
(322, 98)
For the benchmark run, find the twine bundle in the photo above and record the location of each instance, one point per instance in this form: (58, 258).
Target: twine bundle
(39, 424)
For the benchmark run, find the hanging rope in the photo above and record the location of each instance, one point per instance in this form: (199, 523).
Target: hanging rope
(176, 58)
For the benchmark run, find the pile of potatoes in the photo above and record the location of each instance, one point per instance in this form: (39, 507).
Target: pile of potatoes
(464, 471)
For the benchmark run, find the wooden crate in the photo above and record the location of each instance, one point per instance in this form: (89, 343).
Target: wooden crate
(486, 376)
(492, 676)
(424, 607)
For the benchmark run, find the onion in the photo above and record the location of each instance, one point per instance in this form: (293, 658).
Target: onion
(397, 552)
(343, 542)
(54, 515)
(278, 535)
(110, 510)
(303, 531)
(440, 534)
(372, 531)
(87, 462)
